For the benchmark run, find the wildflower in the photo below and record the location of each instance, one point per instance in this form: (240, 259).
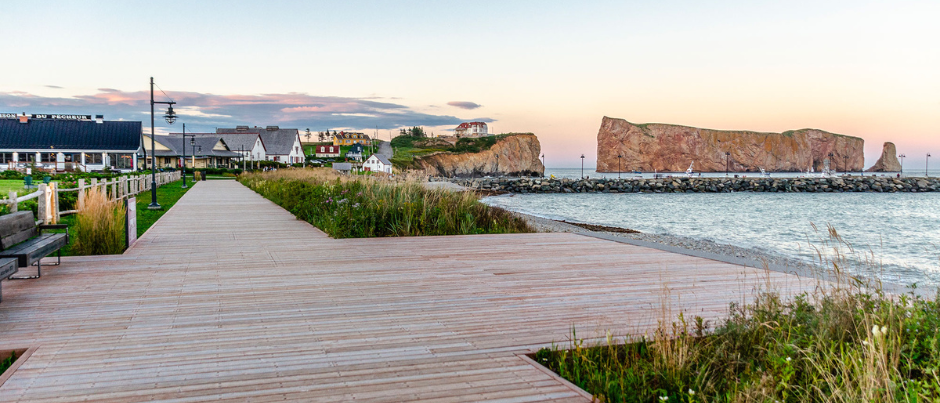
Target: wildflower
(663, 398)
(691, 392)
(789, 359)
(876, 331)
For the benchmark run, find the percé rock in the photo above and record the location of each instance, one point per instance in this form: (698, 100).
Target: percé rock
(671, 148)
(515, 155)
(888, 162)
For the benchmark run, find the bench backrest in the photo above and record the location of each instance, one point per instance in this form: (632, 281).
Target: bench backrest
(16, 227)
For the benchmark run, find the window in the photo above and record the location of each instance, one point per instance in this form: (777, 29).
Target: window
(93, 158)
(70, 157)
(6, 157)
(47, 157)
(27, 157)
(122, 161)
(166, 160)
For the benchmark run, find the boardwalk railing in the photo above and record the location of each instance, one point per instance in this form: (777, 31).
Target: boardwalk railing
(116, 189)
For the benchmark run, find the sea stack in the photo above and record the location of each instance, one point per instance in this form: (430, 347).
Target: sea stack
(888, 162)
(671, 148)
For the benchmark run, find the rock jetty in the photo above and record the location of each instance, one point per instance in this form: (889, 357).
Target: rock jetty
(625, 146)
(880, 184)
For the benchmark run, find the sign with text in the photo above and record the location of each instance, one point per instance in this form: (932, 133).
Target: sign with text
(55, 116)
(130, 225)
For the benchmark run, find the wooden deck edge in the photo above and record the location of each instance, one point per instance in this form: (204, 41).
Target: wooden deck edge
(16, 364)
(161, 217)
(555, 376)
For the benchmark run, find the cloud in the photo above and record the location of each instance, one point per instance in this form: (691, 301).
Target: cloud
(205, 111)
(54, 86)
(464, 104)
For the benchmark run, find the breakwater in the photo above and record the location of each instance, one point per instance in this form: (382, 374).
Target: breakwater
(702, 185)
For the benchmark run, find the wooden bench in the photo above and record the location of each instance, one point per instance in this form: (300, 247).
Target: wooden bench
(22, 239)
(8, 267)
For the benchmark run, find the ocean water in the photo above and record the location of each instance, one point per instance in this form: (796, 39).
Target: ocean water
(901, 230)
(574, 173)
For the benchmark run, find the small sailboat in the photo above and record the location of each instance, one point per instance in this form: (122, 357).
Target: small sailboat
(688, 172)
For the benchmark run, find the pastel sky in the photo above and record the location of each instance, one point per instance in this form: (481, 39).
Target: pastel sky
(555, 68)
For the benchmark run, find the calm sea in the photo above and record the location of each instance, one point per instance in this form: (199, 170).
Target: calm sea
(901, 230)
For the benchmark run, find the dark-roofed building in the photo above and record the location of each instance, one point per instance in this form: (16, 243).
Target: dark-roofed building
(280, 145)
(204, 150)
(68, 142)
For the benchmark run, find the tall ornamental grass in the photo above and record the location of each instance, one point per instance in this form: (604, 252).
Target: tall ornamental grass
(849, 341)
(99, 226)
(360, 207)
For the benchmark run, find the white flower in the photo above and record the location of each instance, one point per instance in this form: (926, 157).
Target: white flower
(691, 392)
(789, 359)
(663, 398)
(884, 330)
(875, 331)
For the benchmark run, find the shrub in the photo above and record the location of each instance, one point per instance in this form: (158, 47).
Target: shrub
(99, 226)
(372, 206)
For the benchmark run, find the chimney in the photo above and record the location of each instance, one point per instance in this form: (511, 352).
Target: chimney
(241, 128)
(99, 118)
(24, 118)
(272, 128)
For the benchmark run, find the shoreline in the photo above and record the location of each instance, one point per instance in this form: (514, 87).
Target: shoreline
(744, 256)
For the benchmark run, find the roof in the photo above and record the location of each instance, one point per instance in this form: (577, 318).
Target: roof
(382, 158)
(207, 143)
(342, 166)
(351, 135)
(69, 135)
(356, 148)
(467, 125)
(241, 141)
(276, 141)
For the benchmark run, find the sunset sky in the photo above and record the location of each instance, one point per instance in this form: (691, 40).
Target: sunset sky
(555, 68)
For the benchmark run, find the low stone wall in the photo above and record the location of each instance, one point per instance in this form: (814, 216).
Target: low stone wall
(703, 185)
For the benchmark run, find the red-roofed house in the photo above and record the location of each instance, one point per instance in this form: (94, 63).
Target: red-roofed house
(471, 129)
(328, 151)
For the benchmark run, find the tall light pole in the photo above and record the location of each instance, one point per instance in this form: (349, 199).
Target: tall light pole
(927, 166)
(902, 156)
(184, 155)
(727, 162)
(619, 158)
(582, 166)
(845, 164)
(543, 165)
(830, 158)
(170, 117)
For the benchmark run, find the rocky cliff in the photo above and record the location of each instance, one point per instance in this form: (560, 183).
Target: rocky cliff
(514, 155)
(663, 147)
(888, 162)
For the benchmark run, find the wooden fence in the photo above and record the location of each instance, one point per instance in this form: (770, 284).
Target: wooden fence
(116, 189)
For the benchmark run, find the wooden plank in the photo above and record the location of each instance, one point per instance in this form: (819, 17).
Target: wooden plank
(229, 297)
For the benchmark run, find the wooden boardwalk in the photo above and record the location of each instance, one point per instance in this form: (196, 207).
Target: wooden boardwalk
(230, 298)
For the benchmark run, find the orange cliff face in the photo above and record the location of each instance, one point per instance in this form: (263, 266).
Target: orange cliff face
(671, 148)
(513, 155)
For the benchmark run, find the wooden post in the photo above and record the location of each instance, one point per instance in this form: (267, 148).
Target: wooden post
(114, 189)
(14, 205)
(80, 205)
(43, 211)
(55, 202)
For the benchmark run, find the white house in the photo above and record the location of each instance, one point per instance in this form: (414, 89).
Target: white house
(245, 142)
(377, 163)
(280, 145)
(471, 129)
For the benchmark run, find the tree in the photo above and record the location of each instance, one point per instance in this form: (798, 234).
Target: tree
(321, 136)
(414, 132)
(308, 135)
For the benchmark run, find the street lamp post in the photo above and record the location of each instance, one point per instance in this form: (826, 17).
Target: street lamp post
(927, 166)
(170, 117)
(582, 166)
(543, 165)
(184, 156)
(830, 158)
(619, 159)
(845, 164)
(727, 162)
(902, 156)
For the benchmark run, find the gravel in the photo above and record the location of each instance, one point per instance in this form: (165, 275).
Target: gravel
(673, 241)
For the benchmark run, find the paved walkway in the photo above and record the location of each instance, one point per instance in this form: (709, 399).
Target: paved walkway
(229, 297)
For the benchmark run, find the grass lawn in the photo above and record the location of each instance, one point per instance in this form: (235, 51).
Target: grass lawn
(167, 196)
(6, 185)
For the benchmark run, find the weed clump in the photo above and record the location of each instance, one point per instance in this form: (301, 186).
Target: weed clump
(362, 207)
(99, 226)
